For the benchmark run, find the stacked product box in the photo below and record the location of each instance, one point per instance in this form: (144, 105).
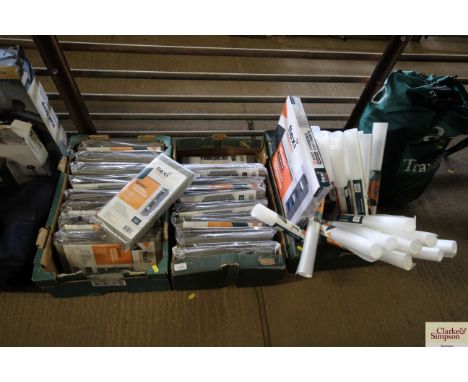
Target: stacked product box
(214, 227)
(76, 247)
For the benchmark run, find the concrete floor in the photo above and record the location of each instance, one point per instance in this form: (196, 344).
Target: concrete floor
(377, 305)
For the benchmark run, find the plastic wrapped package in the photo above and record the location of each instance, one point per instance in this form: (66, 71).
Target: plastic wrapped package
(216, 220)
(99, 182)
(206, 258)
(222, 195)
(119, 144)
(187, 236)
(247, 248)
(211, 183)
(78, 205)
(95, 252)
(189, 209)
(132, 156)
(144, 199)
(90, 195)
(230, 169)
(218, 159)
(105, 168)
(79, 221)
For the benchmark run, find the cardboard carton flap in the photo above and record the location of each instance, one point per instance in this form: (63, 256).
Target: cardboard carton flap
(42, 237)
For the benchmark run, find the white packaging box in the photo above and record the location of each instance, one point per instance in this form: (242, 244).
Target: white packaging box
(129, 214)
(26, 155)
(300, 174)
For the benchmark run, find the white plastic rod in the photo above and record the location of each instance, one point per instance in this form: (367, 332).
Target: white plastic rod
(448, 247)
(338, 164)
(430, 253)
(398, 225)
(398, 259)
(388, 242)
(355, 171)
(365, 141)
(411, 246)
(379, 137)
(353, 241)
(305, 267)
(271, 218)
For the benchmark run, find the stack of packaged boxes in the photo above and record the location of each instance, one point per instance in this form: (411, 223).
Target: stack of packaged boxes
(212, 218)
(99, 170)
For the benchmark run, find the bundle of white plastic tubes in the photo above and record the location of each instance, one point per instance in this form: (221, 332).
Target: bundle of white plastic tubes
(388, 238)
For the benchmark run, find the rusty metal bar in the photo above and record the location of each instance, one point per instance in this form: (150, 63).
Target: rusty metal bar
(383, 68)
(200, 117)
(82, 46)
(208, 76)
(92, 97)
(57, 67)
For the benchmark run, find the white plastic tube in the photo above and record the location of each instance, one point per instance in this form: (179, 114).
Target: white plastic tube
(430, 253)
(398, 259)
(386, 241)
(448, 247)
(338, 164)
(271, 218)
(365, 140)
(353, 241)
(411, 246)
(305, 267)
(398, 225)
(429, 239)
(379, 137)
(355, 172)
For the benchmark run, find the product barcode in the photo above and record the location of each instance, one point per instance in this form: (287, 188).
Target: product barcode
(127, 229)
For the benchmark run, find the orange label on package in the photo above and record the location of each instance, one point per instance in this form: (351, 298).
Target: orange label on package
(121, 148)
(137, 192)
(220, 224)
(281, 170)
(107, 254)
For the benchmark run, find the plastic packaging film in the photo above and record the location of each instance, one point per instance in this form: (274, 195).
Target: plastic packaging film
(104, 145)
(222, 195)
(142, 156)
(218, 159)
(137, 206)
(186, 236)
(104, 168)
(190, 209)
(95, 252)
(98, 182)
(229, 169)
(263, 248)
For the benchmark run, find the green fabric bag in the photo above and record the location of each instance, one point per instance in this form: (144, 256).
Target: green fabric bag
(424, 112)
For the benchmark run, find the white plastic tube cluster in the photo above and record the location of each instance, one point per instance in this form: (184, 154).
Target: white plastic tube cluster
(354, 161)
(388, 238)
